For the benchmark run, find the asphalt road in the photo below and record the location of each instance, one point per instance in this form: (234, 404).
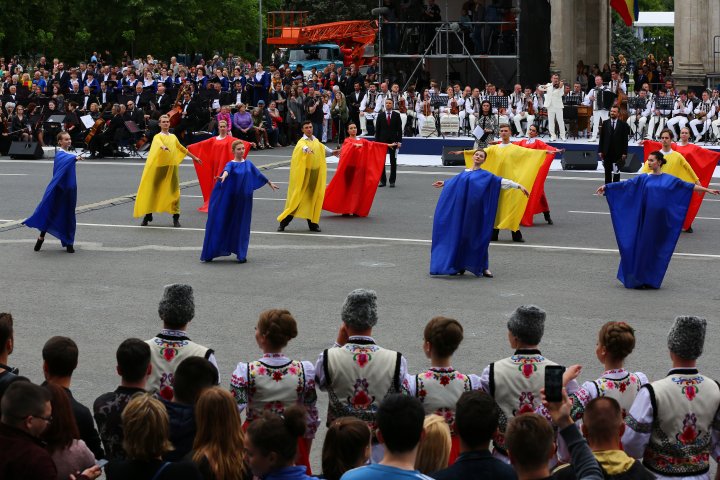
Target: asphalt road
(109, 289)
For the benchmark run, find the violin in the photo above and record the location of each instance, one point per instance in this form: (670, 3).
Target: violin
(427, 108)
(402, 106)
(454, 107)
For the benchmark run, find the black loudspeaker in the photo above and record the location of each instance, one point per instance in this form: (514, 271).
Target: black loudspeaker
(452, 159)
(580, 160)
(633, 163)
(26, 150)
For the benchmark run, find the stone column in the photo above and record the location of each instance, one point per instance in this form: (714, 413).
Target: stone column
(693, 42)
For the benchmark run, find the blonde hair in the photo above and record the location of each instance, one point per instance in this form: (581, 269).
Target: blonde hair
(434, 450)
(235, 144)
(219, 436)
(164, 116)
(146, 428)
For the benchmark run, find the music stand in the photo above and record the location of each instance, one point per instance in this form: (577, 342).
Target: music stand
(638, 104)
(497, 102)
(54, 125)
(665, 104)
(570, 113)
(437, 101)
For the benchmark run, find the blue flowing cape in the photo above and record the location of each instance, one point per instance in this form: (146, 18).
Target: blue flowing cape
(56, 212)
(463, 223)
(227, 230)
(647, 214)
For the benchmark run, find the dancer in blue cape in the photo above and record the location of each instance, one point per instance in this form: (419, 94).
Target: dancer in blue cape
(647, 214)
(56, 212)
(464, 220)
(228, 225)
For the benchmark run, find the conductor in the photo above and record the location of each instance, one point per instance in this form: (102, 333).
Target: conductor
(613, 146)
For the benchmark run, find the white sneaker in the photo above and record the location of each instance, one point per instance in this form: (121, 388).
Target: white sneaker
(592, 139)
(698, 139)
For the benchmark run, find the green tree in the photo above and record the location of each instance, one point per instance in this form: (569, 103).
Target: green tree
(624, 41)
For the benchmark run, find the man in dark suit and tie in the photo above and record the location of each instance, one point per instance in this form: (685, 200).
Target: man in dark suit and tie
(613, 145)
(388, 129)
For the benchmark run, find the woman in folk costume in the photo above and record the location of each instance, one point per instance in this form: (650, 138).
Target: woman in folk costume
(440, 386)
(464, 219)
(227, 229)
(352, 189)
(56, 211)
(274, 382)
(159, 189)
(647, 213)
(616, 340)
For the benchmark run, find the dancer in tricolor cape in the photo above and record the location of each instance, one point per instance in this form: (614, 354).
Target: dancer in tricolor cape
(306, 187)
(56, 212)
(215, 153)
(352, 190)
(647, 213)
(464, 219)
(159, 189)
(227, 230)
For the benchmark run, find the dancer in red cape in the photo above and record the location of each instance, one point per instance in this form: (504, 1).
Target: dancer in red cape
(537, 203)
(352, 188)
(215, 153)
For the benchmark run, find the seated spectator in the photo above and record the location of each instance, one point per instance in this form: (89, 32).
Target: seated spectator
(531, 443)
(440, 386)
(62, 437)
(271, 445)
(434, 450)
(357, 373)
(133, 366)
(275, 381)
(399, 428)
(347, 446)
(172, 345)
(603, 427)
(146, 427)
(7, 341)
(60, 358)
(219, 447)
(476, 422)
(193, 375)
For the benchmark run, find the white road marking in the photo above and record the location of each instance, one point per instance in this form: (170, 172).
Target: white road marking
(608, 213)
(14, 174)
(254, 198)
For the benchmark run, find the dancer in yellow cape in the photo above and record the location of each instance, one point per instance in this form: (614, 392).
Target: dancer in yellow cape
(308, 175)
(159, 189)
(519, 164)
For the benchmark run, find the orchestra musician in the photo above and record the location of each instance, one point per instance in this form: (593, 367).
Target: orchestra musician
(424, 111)
(578, 92)
(600, 112)
(704, 113)
(73, 126)
(715, 124)
(86, 100)
(466, 96)
(680, 114)
(553, 103)
(658, 117)
(638, 118)
(162, 101)
(519, 104)
(472, 108)
(411, 100)
(354, 100)
(20, 125)
(105, 141)
(450, 114)
(398, 99)
(367, 109)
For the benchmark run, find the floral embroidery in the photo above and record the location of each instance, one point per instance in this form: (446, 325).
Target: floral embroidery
(526, 404)
(527, 365)
(361, 398)
(690, 385)
(169, 349)
(689, 433)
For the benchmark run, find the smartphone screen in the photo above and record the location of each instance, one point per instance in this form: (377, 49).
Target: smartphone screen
(553, 382)
(101, 463)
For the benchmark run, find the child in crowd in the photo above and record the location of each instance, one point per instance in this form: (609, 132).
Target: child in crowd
(347, 446)
(434, 450)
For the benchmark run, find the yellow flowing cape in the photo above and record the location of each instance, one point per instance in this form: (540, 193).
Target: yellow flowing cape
(159, 189)
(306, 187)
(515, 163)
(676, 166)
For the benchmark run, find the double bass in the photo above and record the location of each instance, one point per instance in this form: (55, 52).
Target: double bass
(175, 113)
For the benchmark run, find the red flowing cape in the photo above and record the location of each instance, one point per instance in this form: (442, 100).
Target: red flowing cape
(537, 202)
(353, 187)
(215, 154)
(703, 163)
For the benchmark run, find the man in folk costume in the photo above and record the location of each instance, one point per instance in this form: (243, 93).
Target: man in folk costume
(357, 373)
(674, 423)
(515, 382)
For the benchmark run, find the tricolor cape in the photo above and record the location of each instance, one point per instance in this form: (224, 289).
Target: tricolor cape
(463, 223)
(215, 154)
(159, 189)
(647, 213)
(353, 187)
(306, 187)
(56, 212)
(227, 230)
(537, 203)
(703, 163)
(515, 163)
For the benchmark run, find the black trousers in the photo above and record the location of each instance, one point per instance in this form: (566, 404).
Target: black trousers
(286, 221)
(393, 167)
(609, 166)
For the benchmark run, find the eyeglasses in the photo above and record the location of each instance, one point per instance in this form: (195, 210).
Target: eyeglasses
(48, 419)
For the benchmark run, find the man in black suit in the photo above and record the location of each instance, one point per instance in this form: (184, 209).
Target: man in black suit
(87, 99)
(388, 129)
(354, 99)
(613, 145)
(163, 102)
(63, 78)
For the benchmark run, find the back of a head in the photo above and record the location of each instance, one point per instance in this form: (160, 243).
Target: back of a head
(272, 433)
(61, 356)
(618, 338)
(177, 306)
(686, 338)
(476, 419)
(529, 439)
(6, 330)
(192, 376)
(602, 421)
(278, 327)
(133, 358)
(21, 400)
(346, 443)
(145, 428)
(434, 451)
(359, 312)
(444, 334)
(527, 323)
(63, 429)
(400, 421)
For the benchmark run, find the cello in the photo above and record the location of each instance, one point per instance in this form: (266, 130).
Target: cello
(175, 113)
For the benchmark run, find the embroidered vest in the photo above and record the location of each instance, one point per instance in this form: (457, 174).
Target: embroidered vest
(372, 98)
(439, 390)
(624, 389)
(515, 384)
(166, 353)
(273, 389)
(684, 407)
(358, 378)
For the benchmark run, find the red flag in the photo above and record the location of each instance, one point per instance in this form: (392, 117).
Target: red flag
(537, 203)
(628, 10)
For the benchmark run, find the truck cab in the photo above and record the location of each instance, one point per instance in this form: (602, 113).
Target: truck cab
(318, 56)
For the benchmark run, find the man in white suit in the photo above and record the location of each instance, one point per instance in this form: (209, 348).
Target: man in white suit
(554, 104)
